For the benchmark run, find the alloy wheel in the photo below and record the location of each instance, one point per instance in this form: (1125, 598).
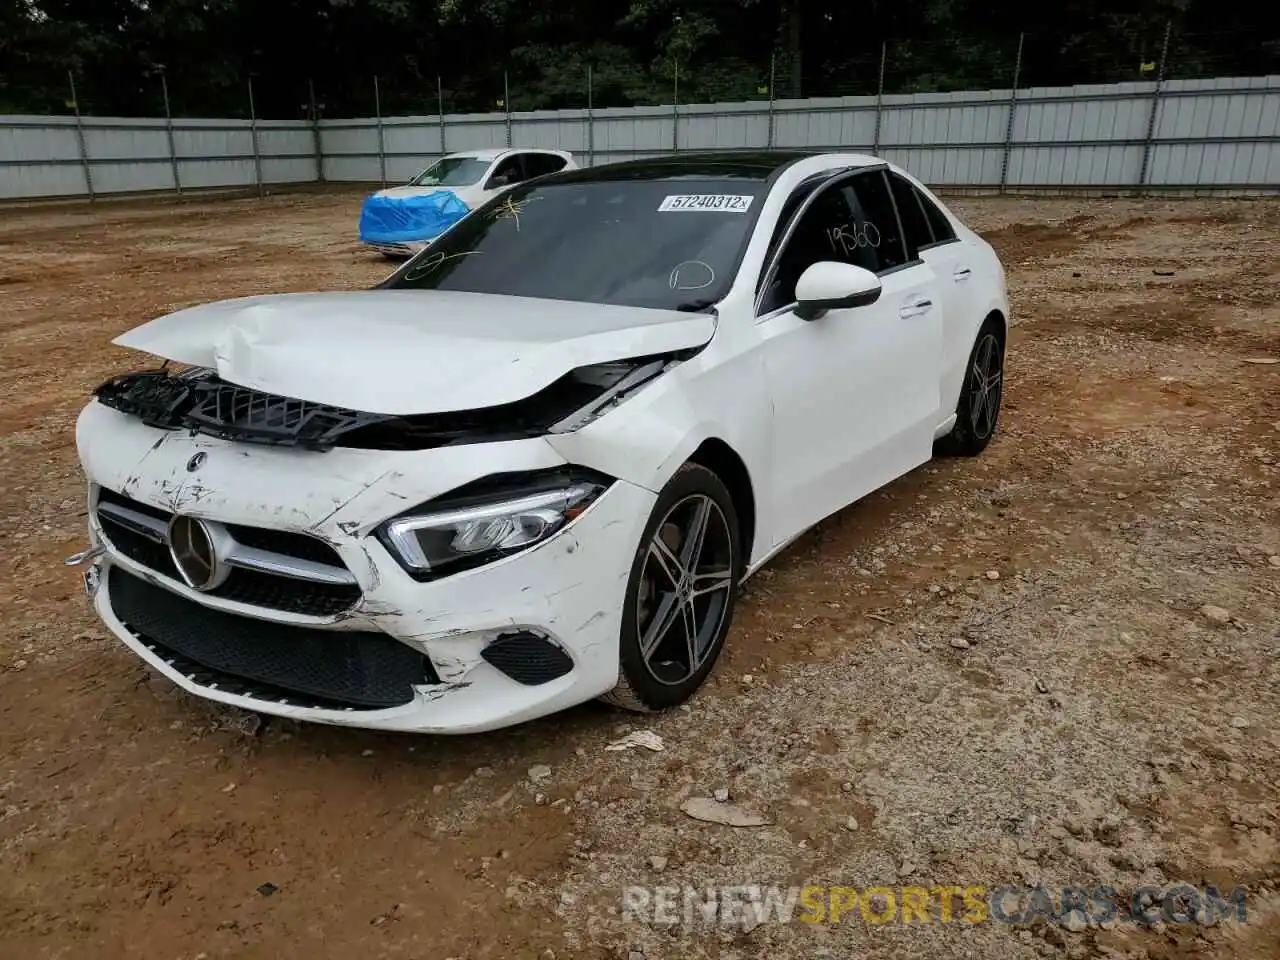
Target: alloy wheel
(985, 386)
(685, 587)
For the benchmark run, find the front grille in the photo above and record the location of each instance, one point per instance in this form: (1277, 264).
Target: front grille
(303, 666)
(252, 587)
(207, 404)
(285, 543)
(239, 413)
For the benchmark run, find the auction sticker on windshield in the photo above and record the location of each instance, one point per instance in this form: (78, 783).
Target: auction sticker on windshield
(718, 202)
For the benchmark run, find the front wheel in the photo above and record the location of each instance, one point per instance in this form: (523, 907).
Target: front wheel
(681, 593)
(978, 411)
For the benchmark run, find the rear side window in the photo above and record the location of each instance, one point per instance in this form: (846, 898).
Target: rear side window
(539, 164)
(878, 221)
(914, 222)
(941, 226)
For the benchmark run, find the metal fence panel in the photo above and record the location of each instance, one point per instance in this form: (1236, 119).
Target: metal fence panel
(632, 133)
(410, 143)
(476, 131)
(1215, 133)
(706, 127)
(551, 130)
(206, 174)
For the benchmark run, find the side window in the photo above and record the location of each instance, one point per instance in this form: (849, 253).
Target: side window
(914, 223)
(877, 222)
(509, 171)
(820, 234)
(539, 164)
(942, 229)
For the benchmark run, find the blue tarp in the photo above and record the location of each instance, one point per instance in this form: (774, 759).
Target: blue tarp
(404, 219)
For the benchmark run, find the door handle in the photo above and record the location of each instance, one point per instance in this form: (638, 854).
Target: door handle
(962, 273)
(916, 308)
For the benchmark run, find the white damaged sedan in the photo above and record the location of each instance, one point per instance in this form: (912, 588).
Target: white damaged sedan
(532, 467)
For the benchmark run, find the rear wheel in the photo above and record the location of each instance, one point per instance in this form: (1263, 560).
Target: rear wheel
(978, 411)
(680, 596)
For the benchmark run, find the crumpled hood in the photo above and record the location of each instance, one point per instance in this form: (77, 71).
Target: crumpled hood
(403, 352)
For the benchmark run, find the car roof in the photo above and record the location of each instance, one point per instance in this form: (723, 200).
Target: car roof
(757, 165)
(494, 153)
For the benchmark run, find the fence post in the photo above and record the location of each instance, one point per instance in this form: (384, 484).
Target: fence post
(440, 107)
(591, 122)
(382, 150)
(1155, 109)
(675, 111)
(884, 53)
(168, 128)
(1013, 107)
(315, 130)
(80, 139)
(506, 105)
(253, 133)
(773, 70)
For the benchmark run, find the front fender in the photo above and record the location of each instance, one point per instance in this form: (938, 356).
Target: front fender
(651, 434)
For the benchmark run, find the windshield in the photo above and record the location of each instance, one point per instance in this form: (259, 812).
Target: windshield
(451, 172)
(671, 244)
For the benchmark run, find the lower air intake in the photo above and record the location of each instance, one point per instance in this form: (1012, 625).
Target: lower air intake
(527, 658)
(267, 661)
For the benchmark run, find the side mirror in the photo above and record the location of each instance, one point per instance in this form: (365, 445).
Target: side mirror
(830, 285)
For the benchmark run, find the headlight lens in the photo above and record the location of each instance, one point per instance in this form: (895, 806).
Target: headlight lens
(448, 536)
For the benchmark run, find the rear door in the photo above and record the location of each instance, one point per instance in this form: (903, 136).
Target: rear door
(951, 260)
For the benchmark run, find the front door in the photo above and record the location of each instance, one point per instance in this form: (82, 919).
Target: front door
(506, 174)
(855, 392)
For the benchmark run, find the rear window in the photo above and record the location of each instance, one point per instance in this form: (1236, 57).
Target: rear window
(669, 244)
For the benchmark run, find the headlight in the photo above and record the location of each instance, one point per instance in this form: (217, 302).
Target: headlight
(462, 531)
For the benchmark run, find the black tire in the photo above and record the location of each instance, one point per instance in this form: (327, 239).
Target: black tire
(640, 688)
(978, 412)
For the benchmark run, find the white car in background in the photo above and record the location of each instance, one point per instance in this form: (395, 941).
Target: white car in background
(533, 467)
(400, 221)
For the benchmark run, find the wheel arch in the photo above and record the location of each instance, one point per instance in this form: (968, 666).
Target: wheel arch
(997, 315)
(722, 460)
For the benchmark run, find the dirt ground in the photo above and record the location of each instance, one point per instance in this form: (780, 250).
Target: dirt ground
(996, 671)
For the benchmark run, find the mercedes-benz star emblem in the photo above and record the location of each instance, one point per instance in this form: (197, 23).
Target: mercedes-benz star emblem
(196, 462)
(193, 545)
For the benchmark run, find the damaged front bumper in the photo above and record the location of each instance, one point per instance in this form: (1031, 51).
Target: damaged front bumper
(483, 648)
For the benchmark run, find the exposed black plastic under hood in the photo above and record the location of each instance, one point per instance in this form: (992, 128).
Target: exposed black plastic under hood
(201, 402)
